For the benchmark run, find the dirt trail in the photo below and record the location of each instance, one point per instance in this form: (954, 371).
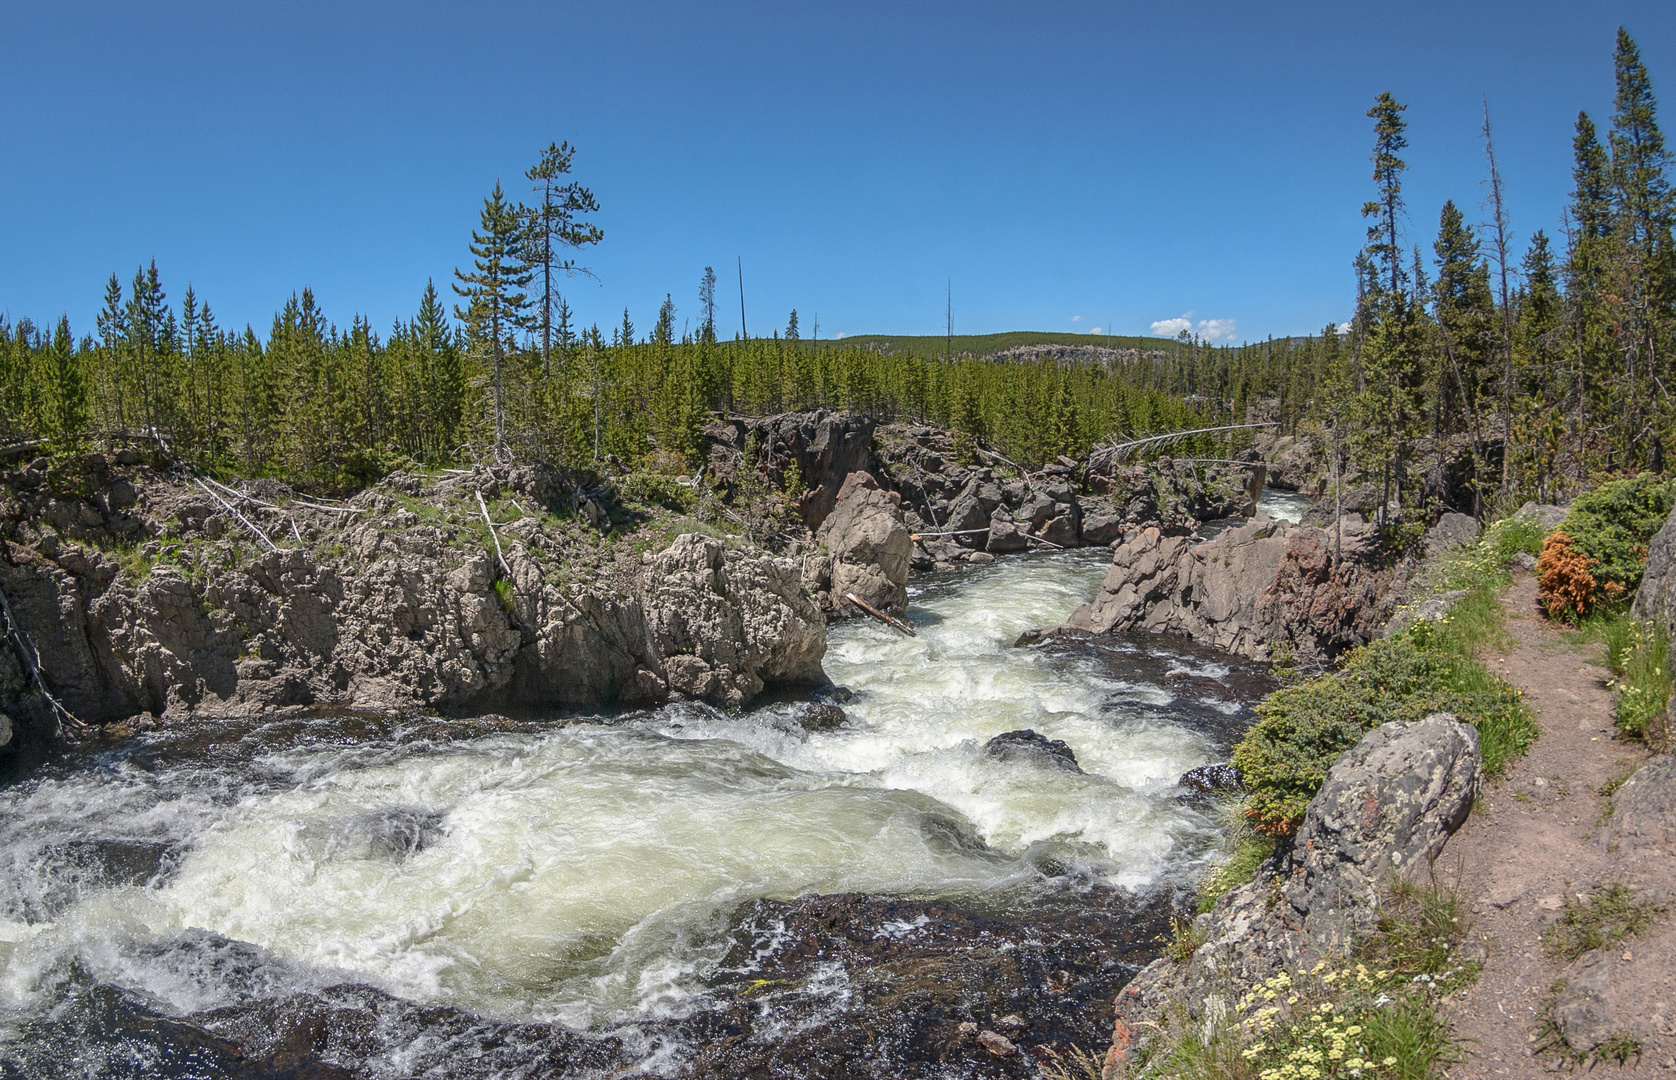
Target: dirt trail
(1528, 845)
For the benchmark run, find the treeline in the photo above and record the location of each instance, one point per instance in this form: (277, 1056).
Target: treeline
(316, 403)
(1548, 363)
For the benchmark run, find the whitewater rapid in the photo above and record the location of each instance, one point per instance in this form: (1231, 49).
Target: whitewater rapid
(583, 871)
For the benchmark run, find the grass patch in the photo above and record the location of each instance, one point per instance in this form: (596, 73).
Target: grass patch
(503, 590)
(1605, 918)
(1641, 691)
(1244, 851)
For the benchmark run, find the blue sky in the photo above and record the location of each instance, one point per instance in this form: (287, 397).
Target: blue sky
(1065, 166)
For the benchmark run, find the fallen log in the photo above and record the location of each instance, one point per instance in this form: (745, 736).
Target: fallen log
(889, 621)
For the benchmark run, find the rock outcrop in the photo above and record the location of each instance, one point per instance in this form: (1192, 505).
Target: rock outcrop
(1254, 589)
(1655, 600)
(823, 448)
(1644, 809)
(867, 546)
(394, 601)
(1387, 807)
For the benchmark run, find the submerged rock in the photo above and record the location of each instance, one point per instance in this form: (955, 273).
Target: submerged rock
(1027, 745)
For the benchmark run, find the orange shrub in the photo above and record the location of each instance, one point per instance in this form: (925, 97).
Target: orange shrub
(1565, 579)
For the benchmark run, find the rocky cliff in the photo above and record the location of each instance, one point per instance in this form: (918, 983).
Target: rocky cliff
(1255, 590)
(141, 592)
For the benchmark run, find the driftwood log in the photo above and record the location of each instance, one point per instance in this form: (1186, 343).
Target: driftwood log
(894, 623)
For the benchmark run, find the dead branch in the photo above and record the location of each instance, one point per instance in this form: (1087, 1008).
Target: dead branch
(241, 518)
(1117, 452)
(483, 506)
(32, 661)
(889, 621)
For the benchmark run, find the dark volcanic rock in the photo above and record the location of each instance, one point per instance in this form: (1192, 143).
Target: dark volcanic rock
(879, 987)
(1212, 778)
(1027, 745)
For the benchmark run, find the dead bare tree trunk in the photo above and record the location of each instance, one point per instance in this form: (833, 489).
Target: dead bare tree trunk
(1499, 245)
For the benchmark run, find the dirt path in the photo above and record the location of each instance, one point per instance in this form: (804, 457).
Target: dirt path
(1528, 845)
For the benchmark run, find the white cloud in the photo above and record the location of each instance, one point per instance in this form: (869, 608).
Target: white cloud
(1207, 329)
(838, 335)
(1095, 330)
(1344, 328)
(1076, 318)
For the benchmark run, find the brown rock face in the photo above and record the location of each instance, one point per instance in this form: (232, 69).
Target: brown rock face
(1249, 591)
(868, 543)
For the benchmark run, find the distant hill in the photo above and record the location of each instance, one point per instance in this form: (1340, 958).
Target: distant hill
(992, 344)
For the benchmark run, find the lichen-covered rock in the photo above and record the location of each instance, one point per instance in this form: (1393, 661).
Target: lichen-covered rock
(1387, 806)
(1644, 809)
(869, 545)
(1655, 600)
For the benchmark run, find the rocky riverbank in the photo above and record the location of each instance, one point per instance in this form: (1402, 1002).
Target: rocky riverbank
(139, 592)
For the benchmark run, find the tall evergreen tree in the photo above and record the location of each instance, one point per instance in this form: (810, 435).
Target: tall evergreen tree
(707, 304)
(554, 224)
(496, 306)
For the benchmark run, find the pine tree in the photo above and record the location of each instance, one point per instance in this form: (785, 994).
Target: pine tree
(664, 332)
(707, 304)
(67, 388)
(791, 326)
(495, 307)
(552, 225)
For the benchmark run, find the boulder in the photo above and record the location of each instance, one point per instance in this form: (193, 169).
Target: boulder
(869, 544)
(1254, 588)
(1584, 1012)
(1005, 535)
(1101, 529)
(1644, 809)
(1451, 531)
(1386, 807)
(1027, 745)
(1655, 600)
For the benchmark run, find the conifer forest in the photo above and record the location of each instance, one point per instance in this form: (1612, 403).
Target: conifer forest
(1549, 356)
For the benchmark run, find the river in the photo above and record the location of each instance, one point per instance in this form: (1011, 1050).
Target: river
(614, 885)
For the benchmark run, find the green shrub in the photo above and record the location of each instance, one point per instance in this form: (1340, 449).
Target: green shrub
(657, 489)
(503, 590)
(1613, 526)
(1303, 729)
